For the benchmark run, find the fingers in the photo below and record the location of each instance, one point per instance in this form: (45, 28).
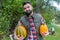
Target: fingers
(21, 38)
(44, 34)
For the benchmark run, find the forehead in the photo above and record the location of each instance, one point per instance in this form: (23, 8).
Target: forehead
(26, 5)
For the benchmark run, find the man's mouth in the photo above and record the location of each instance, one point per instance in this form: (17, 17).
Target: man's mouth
(28, 13)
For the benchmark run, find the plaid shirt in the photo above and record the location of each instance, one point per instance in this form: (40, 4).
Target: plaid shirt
(37, 19)
(32, 30)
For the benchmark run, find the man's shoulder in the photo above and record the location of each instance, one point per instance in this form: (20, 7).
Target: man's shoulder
(37, 15)
(23, 17)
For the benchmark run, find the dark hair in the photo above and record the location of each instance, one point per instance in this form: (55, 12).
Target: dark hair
(24, 3)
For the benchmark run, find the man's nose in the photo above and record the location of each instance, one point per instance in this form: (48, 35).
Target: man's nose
(27, 9)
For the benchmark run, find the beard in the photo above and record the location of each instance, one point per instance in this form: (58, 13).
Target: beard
(28, 13)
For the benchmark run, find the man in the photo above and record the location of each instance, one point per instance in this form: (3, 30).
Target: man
(37, 20)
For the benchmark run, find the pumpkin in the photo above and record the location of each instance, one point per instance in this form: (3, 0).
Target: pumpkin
(21, 31)
(43, 28)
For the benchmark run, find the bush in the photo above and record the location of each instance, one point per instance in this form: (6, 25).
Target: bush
(11, 12)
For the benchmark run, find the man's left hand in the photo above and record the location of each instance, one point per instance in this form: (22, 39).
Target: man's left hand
(44, 34)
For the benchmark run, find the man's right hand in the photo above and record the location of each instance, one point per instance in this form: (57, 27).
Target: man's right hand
(20, 38)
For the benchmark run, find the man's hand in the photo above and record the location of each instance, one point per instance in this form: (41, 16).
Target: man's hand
(44, 34)
(20, 38)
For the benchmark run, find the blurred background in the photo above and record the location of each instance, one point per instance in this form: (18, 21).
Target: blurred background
(12, 10)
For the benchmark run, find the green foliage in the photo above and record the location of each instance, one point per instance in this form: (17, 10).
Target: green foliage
(57, 18)
(48, 14)
(6, 38)
(11, 12)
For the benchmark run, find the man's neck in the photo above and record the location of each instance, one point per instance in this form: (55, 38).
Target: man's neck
(30, 15)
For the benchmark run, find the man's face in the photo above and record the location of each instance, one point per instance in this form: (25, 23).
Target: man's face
(28, 9)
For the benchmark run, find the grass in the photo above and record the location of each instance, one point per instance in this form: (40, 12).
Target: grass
(56, 36)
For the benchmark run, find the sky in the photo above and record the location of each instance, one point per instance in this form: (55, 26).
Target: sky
(55, 4)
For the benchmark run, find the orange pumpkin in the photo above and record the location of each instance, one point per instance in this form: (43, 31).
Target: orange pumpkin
(43, 28)
(21, 31)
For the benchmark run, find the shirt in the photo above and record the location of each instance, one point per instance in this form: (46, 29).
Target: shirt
(37, 19)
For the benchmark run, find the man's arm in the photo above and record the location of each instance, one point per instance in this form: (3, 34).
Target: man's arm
(43, 23)
(15, 36)
(19, 23)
